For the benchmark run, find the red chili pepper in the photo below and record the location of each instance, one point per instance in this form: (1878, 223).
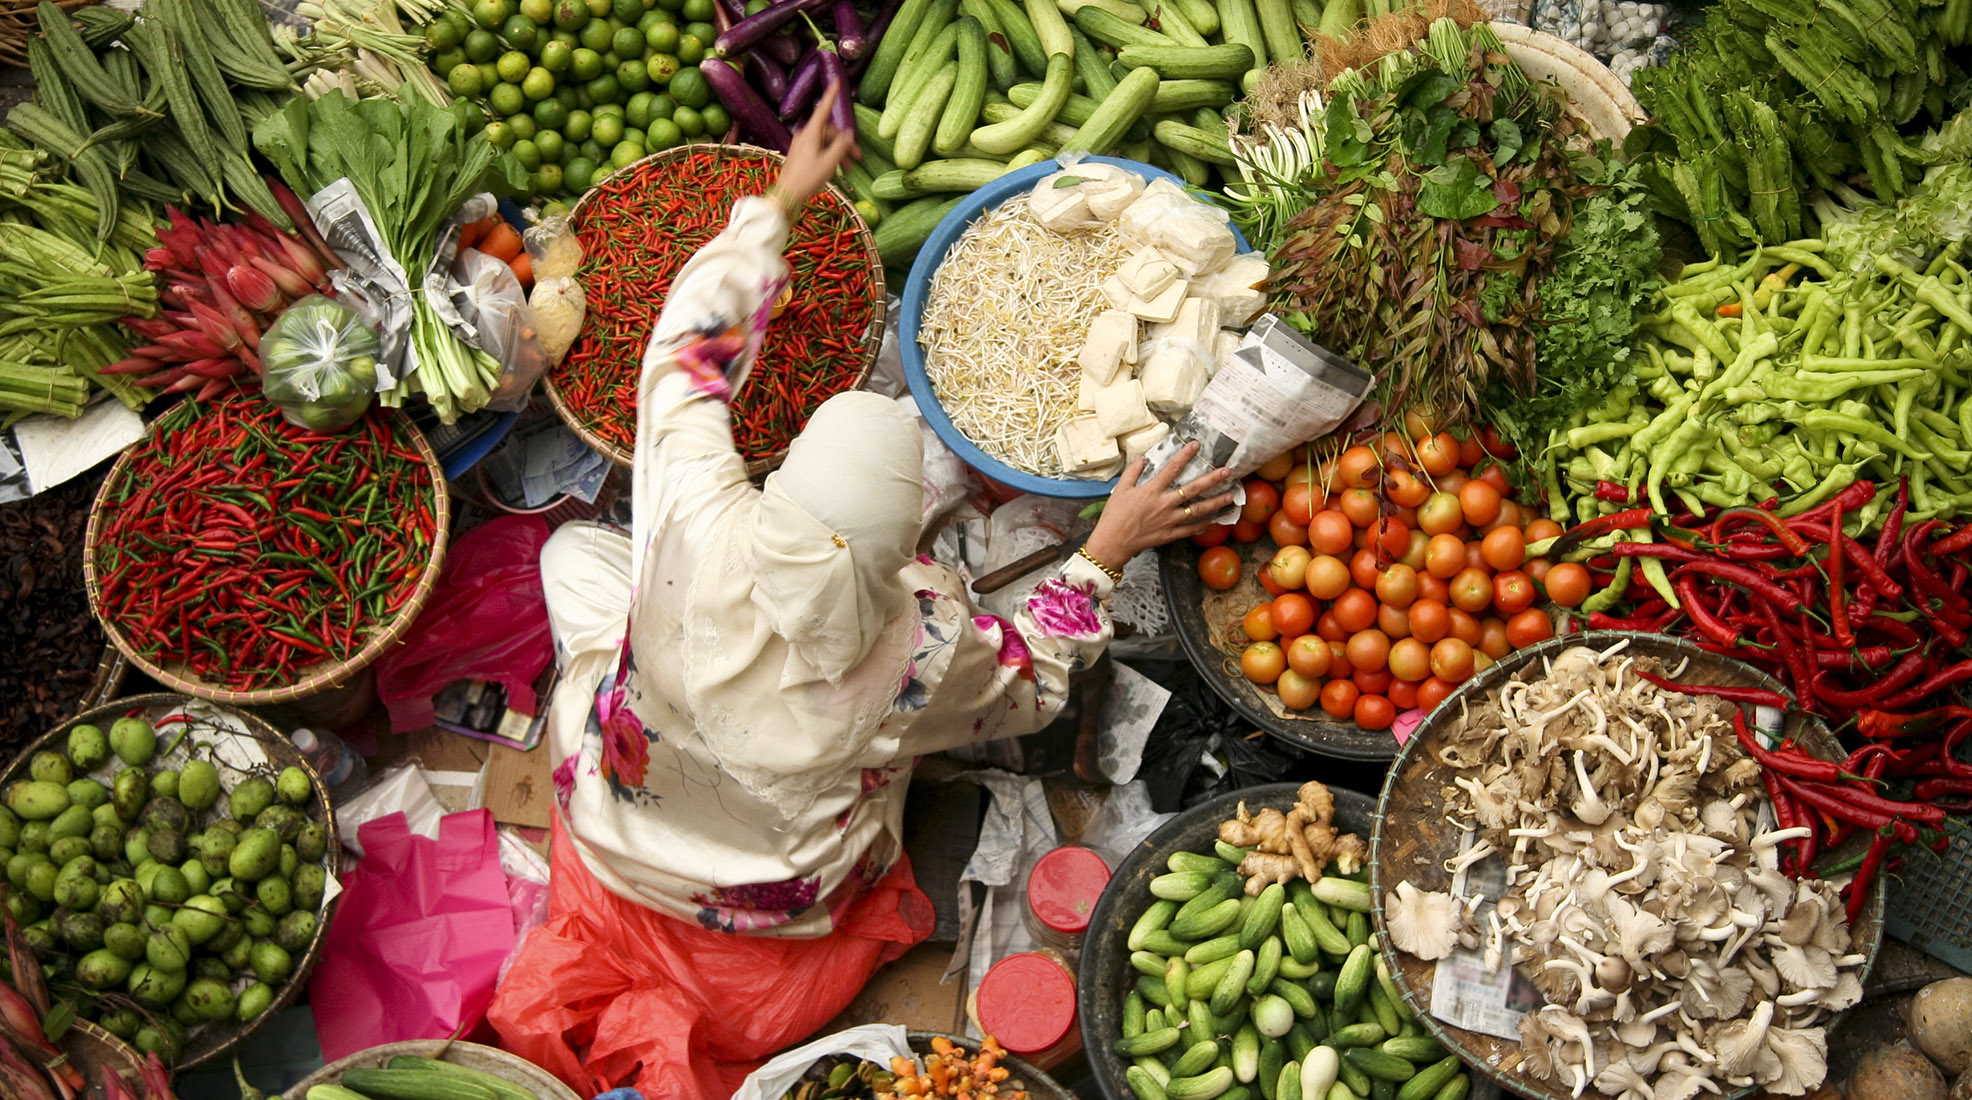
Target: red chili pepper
(1795, 544)
(1893, 524)
(1612, 492)
(1956, 542)
(1836, 589)
(1709, 624)
(1855, 496)
(1748, 579)
(1754, 696)
(1796, 764)
(1905, 671)
(1931, 685)
(1858, 889)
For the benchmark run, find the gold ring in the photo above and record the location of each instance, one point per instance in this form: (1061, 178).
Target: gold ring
(1181, 494)
(1187, 511)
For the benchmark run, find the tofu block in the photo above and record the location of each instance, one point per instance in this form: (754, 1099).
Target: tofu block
(1082, 445)
(1223, 347)
(1061, 208)
(1112, 342)
(1147, 273)
(1173, 377)
(1161, 309)
(1138, 443)
(1233, 288)
(1119, 295)
(1197, 321)
(1103, 472)
(1120, 408)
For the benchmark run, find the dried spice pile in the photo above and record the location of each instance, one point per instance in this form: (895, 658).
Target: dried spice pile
(638, 230)
(49, 643)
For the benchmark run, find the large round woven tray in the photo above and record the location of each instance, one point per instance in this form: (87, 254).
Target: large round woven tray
(871, 339)
(1413, 839)
(211, 1042)
(1600, 99)
(322, 677)
(482, 1058)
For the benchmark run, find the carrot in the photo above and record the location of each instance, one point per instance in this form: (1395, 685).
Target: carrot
(473, 233)
(501, 243)
(523, 266)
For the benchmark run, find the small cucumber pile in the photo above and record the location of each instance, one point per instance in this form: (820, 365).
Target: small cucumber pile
(411, 1078)
(960, 92)
(1275, 997)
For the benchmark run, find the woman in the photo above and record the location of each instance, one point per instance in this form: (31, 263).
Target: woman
(748, 677)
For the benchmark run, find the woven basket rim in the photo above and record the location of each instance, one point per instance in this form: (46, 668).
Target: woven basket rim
(283, 751)
(1454, 1039)
(871, 339)
(324, 678)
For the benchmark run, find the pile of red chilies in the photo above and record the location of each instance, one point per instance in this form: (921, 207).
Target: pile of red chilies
(221, 286)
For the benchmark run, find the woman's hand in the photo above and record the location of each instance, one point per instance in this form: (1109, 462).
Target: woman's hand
(817, 150)
(1141, 515)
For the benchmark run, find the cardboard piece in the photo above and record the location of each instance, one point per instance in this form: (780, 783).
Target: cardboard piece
(520, 786)
(908, 992)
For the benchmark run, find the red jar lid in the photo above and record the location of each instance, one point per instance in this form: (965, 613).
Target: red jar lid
(1063, 888)
(1027, 1002)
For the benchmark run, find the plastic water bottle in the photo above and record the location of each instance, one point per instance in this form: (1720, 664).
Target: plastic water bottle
(342, 770)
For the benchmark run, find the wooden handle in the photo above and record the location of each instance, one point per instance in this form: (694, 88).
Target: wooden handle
(1007, 574)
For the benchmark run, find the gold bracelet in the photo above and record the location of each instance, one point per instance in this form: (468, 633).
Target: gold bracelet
(1115, 575)
(782, 199)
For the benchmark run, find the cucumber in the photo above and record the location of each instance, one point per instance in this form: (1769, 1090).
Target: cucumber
(1212, 122)
(1231, 853)
(1153, 1018)
(890, 187)
(1246, 1054)
(919, 73)
(1143, 1084)
(1206, 1086)
(1265, 916)
(1157, 1070)
(1417, 1049)
(1052, 134)
(1178, 885)
(868, 119)
(1224, 885)
(1377, 1064)
(1181, 861)
(333, 1092)
(1290, 967)
(1322, 985)
(1121, 9)
(1327, 937)
(1096, 80)
(1277, 27)
(1300, 1040)
(1209, 923)
(500, 1086)
(1307, 13)
(1224, 947)
(1026, 45)
(1357, 1035)
(1266, 965)
(1426, 1083)
(1273, 1055)
(1232, 985)
(1203, 17)
(1295, 995)
(1000, 62)
(1199, 1018)
(1316, 1026)
(1150, 1042)
(968, 92)
(1194, 172)
(1153, 919)
(1133, 1015)
(1187, 95)
(1109, 30)
(1288, 1085)
(1319, 1071)
(1350, 895)
(1386, 1013)
(899, 236)
(1379, 1089)
(1052, 30)
(861, 184)
(1177, 979)
(1273, 1016)
(876, 81)
(1197, 1058)
(1100, 134)
(1340, 1091)
(414, 1084)
(1388, 984)
(1296, 935)
(1204, 980)
(1455, 1089)
(1148, 962)
(1352, 981)
(1357, 929)
(1238, 22)
(1171, 20)
(1339, 17)
(1164, 943)
(1193, 142)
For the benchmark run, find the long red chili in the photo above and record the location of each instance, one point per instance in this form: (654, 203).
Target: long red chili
(1879, 847)
(1796, 764)
(1709, 624)
(1751, 695)
(1747, 579)
(1931, 685)
(1795, 544)
(1906, 671)
(1836, 589)
(1893, 524)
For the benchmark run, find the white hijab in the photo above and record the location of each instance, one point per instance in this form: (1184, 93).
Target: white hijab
(798, 630)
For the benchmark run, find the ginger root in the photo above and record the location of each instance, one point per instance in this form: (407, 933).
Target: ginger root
(1266, 830)
(1299, 843)
(1264, 869)
(1316, 801)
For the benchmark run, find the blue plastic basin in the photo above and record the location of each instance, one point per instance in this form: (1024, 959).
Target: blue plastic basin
(918, 286)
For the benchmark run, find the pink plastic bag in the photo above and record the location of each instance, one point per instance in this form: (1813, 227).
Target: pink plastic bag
(486, 620)
(418, 941)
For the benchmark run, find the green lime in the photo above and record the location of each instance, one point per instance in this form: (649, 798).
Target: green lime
(627, 43)
(637, 111)
(464, 80)
(513, 66)
(550, 114)
(550, 143)
(569, 150)
(690, 88)
(588, 64)
(578, 173)
(689, 121)
(626, 154)
(576, 128)
(663, 134)
(704, 32)
(670, 5)
(548, 180)
(661, 106)
(566, 38)
(573, 97)
(604, 89)
(661, 67)
(538, 84)
(628, 11)
(481, 45)
(591, 150)
(500, 134)
(634, 136)
(608, 130)
(522, 125)
(571, 15)
(528, 154)
(717, 121)
(698, 11)
(650, 19)
(489, 74)
(538, 12)
(597, 35)
(442, 35)
(491, 13)
(505, 99)
(555, 209)
(611, 61)
(632, 77)
(662, 36)
(755, 7)
(869, 211)
(614, 109)
(691, 50)
(521, 32)
(583, 101)
(444, 61)
(599, 8)
(557, 57)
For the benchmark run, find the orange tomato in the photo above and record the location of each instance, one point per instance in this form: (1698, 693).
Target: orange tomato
(1330, 532)
(1511, 515)
(1470, 451)
(1373, 683)
(1328, 629)
(1247, 530)
(1390, 535)
(1403, 694)
(1299, 503)
(1472, 590)
(1396, 585)
(1433, 588)
(1537, 568)
(1309, 656)
(1219, 567)
(1338, 661)
(1394, 621)
(1338, 698)
(1492, 638)
(1374, 712)
(1568, 584)
(1354, 610)
(1289, 567)
(1464, 627)
(1298, 692)
(1438, 454)
(1393, 447)
(1440, 514)
(1404, 489)
(1286, 532)
(1530, 627)
(1432, 692)
(1267, 581)
(1429, 621)
(1327, 577)
(1504, 548)
(1262, 662)
(1453, 482)
(1480, 502)
(1368, 649)
(1215, 535)
(1444, 556)
(1495, 445)
(1415, 554)
(1357, 468)
(1513, 592)
(1277, 467)
(1259, 624)
(1475, 556)
(1262, 501)
(1293, 614)
(1541, 530)
(1364, 568)
(1410, 659)
(1420, 422)
(1451, 661)
(1361, 506)
(1495, 475)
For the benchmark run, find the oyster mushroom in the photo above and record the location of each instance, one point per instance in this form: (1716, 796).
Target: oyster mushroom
(1424, 923)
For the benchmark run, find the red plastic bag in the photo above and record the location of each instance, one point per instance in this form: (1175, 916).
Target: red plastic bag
(416, 945)
(486, 620)
(610, 993)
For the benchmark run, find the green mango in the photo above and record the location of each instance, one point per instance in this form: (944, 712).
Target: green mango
(37, 799)
(211, 1000)
(126, 940)
(51, 767)
(133, 740)
(198, 785)
(293, 786)
(253, 1000)
(271, 963)
(129, 792)
(88, 749)
(256, 856)
(88, 793)
(168, 949)
(103, 969)
(250, 798)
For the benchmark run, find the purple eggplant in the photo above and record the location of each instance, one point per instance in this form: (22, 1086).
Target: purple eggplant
(804, 86)
(757, 29)
(735, 10)
(849, 37)
(745, 105)
(843, 112)
(768, 76)
(874, 33)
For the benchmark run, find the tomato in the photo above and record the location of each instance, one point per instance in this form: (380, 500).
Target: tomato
(1330, 532)
(1286, 532)
(1470, 451)
(1496, 446)
(1480, 502)
(1328, 629)
(1262, 501)
(1432, 692)
(1513, 592)
(1393, 448)
(1338, 661)
(1444, 556)
(1510, 516)
(1354, 610)
(1364, 568)
(1374, 712)
(1404, 489)
(1568, 584)
(1414, 555)
(1262, 662)
(1481, 662)
(1277, 467)
(1541, 530)
(1420, 422)
(1397, 585)
(1504, 548)
(1472, 590)
(1403, 694)
(1451, 660)
(1215, 535)
(1361, 506)
(1495, 475)
(1433, 588)
(1438, 454)
(1298, 692)
(1475, 556)
(1290, 566)
(1219, 567)
(1339, 699)
(1259, 624)
(1267, 581)
(1492, 638)
(1309, 656)
(1464, 627)
(1530, 627)
(1537, 568)
(1357, 468)
(1247, 530)
(1293, 614)
(1440, 514)
(1410, 659)
(1373, 683)
(1453, 482)
(1327, 577)
(1298, 502)
(1394, 621)
(1407, 515)
(1368, 649)
(1390, 535)
(1429, 621)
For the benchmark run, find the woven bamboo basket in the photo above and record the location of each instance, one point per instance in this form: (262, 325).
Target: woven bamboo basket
(1021, 1074)
(471, 1055)
(98, 1054)
(1413, 839)
(319, 679)
(111, 672)
(1596, 96)
(211, 1042)
(871, 339)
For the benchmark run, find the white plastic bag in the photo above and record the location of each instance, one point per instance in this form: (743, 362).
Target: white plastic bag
(498, 322)
(319, 364)
(553, 248)
(877, 1043)
(559, 308)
